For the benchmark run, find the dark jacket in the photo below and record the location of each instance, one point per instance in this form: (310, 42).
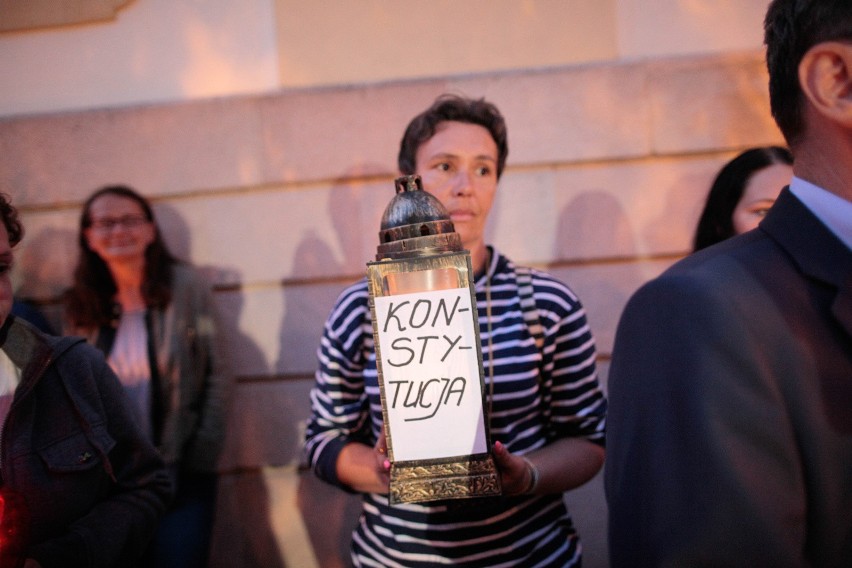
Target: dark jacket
(729, 437)
(190, 379)
(93, 486)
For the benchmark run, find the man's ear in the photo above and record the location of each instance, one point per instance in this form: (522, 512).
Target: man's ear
(825, 74)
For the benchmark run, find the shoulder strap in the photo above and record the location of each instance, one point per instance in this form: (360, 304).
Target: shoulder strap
(523, 274)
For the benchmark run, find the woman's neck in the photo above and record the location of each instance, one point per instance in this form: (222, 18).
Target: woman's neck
(479, 259)
(128, 277)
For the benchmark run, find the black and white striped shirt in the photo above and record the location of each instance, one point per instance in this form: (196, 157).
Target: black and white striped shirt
(506, 531)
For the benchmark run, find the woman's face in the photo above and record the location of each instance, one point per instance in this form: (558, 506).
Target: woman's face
(458, 165)
(119, 230)
(759, 195)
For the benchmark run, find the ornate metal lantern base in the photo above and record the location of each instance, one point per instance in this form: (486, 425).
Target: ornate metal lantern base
(456, 479)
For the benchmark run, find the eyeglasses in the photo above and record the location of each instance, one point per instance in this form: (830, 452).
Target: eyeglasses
(107, 223)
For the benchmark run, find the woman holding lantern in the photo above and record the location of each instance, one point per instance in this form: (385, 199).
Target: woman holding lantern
(547, 407)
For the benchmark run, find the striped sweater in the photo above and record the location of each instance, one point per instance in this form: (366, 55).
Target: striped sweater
(506, 531)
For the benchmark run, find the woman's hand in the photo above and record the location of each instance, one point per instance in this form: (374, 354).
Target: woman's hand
(560, 466)
(365, 468)
(382, 461)
(518, 475)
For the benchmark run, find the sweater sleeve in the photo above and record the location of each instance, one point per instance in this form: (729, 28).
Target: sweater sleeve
(576, 402)
(339, 402)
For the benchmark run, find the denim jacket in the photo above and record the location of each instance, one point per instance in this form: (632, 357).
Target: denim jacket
(91, 485)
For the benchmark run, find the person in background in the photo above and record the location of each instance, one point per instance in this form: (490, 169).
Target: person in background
(729, 436)
(80, 484)
(154, 318)
(743, 191)
(547, 420)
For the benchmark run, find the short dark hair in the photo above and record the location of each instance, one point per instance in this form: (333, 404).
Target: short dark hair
(89, 301)
(716, 221)
(454, 108)
(791, 28)
(10, 220)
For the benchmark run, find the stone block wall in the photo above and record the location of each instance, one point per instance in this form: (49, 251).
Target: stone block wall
(278, 199)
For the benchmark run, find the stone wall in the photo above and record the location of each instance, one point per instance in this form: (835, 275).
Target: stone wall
(278, 198)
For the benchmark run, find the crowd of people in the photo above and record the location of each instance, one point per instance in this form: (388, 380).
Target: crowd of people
(725, 428)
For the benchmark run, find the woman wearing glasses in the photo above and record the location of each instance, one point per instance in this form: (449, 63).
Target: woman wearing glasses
(153, 317)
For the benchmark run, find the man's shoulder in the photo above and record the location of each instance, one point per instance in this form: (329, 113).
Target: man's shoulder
(743, 253)
(742, 267)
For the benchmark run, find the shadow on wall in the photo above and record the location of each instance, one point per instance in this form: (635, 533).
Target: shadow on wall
(174, 230)
(305, 307)
(329, 514)
(243, 535)
(672, 233)
(590, 227)
(326, 256)
(243, 352)
(43, 267)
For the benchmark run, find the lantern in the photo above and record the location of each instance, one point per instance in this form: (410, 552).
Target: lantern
(428, 354)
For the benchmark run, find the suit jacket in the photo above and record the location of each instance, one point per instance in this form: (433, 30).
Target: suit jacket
(729, 435)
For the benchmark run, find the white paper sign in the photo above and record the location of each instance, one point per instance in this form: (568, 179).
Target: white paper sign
(430, 370)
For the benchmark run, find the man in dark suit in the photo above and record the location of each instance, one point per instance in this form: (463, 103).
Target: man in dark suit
(729, 437)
